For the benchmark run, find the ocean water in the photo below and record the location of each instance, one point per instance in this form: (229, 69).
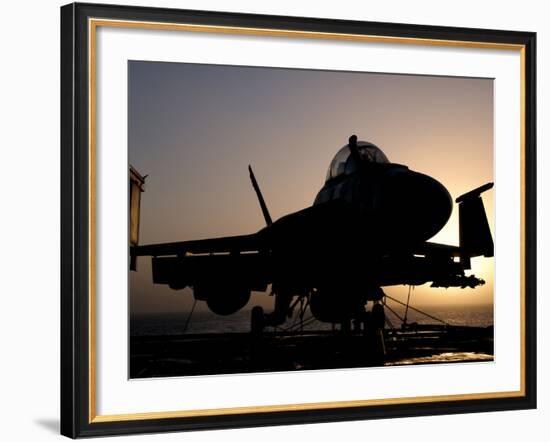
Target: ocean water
(206, 322)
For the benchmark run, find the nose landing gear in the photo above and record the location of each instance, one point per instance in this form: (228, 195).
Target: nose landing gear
(259, 320)
(256, 320)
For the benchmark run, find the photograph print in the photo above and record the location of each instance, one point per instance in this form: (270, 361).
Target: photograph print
(293, 219)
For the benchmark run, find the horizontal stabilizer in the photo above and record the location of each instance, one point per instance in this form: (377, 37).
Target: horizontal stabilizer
(475, 192)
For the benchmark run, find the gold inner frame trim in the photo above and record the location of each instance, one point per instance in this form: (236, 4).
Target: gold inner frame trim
(93, 24)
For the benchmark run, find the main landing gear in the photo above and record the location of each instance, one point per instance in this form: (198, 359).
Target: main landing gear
(368, 323)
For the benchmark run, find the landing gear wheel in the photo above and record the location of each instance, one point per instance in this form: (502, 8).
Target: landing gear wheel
(257, 320)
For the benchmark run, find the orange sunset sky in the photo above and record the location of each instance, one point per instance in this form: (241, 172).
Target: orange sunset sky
(195, 128)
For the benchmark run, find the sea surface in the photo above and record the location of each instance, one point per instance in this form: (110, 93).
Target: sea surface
(160, 324)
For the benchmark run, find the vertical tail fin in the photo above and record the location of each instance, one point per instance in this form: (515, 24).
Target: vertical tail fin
(265, 212)
(475, 234)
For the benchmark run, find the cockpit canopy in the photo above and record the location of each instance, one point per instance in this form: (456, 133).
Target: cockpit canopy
(344, 163)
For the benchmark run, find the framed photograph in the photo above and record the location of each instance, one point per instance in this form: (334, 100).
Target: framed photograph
(273, 220)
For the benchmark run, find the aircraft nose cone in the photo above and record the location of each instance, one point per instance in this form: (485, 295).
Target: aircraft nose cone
(415, 206)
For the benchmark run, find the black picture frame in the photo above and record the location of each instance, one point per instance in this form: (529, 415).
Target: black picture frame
(77, 416)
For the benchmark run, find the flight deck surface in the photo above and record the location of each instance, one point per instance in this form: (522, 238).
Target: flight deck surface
(227, 353)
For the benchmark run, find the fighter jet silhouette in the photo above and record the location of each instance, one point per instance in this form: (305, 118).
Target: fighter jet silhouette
(367, 228)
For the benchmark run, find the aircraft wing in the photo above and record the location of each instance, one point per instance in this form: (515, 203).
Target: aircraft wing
(228, 244)
(232, 260)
